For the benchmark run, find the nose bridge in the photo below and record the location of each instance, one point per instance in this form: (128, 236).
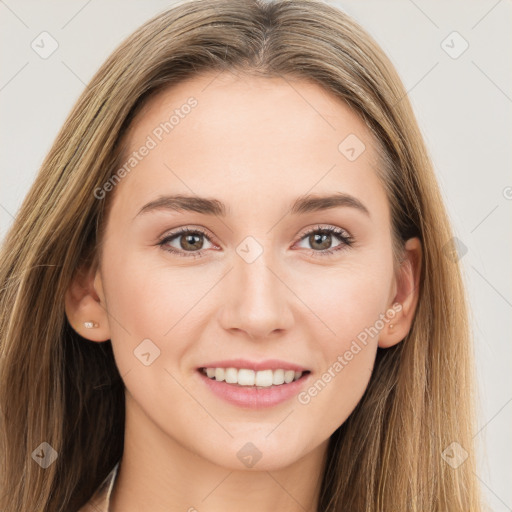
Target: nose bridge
(258, 301)
(257, 282)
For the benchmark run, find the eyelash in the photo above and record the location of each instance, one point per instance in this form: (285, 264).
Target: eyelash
(346, 239)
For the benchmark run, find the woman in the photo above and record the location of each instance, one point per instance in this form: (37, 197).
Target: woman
(229, 286)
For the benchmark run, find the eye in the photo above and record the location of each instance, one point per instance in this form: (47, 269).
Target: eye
(320, 239)
(189, 240)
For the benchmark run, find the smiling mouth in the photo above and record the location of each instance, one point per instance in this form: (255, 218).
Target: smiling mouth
(261, 379)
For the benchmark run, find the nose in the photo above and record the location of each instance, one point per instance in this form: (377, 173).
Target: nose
(257, 301)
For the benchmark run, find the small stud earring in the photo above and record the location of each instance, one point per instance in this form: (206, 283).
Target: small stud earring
(391, 326)
(90, 325)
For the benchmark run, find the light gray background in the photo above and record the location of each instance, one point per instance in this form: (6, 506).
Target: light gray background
(463, 105)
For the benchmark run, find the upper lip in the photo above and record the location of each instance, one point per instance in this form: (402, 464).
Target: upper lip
(267, 364)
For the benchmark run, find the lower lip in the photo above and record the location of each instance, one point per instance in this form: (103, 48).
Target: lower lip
(252, 397)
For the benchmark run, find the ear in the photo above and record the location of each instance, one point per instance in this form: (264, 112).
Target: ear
(85, 304)
(407, 294)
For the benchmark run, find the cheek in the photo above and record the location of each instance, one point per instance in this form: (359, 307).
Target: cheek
(148, 295)
(335, 392)
(149, 299)
(349, 306)
(345, 300)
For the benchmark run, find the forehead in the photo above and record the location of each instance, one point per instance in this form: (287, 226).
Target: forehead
(246, 105)
(219, 132)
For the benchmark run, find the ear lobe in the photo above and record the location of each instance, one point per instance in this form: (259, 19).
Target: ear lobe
(85, 307)
(407, 295)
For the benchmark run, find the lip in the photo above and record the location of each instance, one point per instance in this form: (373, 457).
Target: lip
(267, 364)
(252, 397)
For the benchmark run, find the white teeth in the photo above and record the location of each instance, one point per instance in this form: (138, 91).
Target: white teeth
(246, 377)
(289, 375)
(264, 378)
(278, 377)
(219, 373)
(231, 375)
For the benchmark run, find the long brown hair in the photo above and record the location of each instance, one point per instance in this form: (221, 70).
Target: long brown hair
(59, 388)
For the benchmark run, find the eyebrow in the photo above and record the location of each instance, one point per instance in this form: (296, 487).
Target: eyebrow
(209, 206)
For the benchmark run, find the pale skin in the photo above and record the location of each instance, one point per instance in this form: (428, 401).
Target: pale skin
(256, 144)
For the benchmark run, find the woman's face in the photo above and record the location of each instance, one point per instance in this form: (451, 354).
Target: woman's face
(255, 284)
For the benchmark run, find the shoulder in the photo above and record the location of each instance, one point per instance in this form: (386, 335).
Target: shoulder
(99, 501)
